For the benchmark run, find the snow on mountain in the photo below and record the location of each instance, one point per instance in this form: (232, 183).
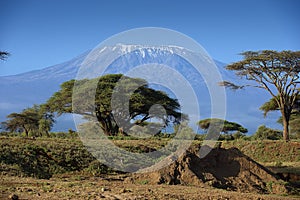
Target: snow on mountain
(35, 87)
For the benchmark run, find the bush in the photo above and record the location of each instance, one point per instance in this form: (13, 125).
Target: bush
(200, 137)
(264, 132)
(64, 135)
(43, 158)
(96, 168)
(295, 136)
(238, 135)
(226, 137)
(9, 134)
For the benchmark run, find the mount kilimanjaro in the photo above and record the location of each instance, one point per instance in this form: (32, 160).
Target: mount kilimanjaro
(35, 87)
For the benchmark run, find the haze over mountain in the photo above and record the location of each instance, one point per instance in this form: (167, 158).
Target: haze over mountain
(35, 87)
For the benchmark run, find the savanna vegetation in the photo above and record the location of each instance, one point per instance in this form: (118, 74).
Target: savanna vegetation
(275, 72)
(122, 105)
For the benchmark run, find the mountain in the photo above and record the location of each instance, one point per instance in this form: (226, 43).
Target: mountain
(35, 87)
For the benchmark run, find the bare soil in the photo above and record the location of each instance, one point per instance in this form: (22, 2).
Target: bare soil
(114, 187)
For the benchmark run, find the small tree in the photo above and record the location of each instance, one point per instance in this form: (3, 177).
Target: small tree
(33, 119)
(222, 125)
(21, 122)
(264, 132)
(46, 119)
(275, 72)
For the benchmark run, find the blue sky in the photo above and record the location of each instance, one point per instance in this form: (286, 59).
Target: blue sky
(42, 33)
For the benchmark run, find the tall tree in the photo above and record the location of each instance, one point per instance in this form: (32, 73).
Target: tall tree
(222, 125)
(272, 105)
(141, 99)
(275, 72)
(294, 127)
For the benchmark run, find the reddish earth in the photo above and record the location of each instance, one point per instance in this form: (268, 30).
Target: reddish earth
(115, 188)
(227, 169)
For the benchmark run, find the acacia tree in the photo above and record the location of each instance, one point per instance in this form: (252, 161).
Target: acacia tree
(222, 125)
(272, 105)
(275, 72)
(294, 127)
(32, 119)
(46, 120)
(139, 104)
(25, 121)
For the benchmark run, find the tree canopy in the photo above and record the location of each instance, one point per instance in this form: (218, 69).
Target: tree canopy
(275, 72)
(220, 124)
(272, 105)
(109, 103)
(31, 120)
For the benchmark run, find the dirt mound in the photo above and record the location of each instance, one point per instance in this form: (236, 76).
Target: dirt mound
(222, 168)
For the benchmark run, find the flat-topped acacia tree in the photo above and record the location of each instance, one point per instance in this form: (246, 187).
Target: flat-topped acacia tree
(221, 125)
(35, 120)
(275, 72)
(140, 102)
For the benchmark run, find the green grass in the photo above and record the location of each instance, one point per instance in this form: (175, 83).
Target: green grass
(45, 157)
(41, 158)
(267, 151)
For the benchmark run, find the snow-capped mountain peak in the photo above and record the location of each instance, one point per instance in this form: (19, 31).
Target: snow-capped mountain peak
(35, 87)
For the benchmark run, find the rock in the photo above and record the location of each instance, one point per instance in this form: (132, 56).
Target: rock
(166, 194)
(123, 190)
(13, 197)
(104, 189)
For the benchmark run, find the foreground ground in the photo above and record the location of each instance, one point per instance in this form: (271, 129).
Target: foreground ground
(53, 168)
(113, 187)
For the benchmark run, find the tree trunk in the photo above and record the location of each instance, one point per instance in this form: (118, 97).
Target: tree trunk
(285, 122)
(47, 133)
(26, 132)
(106, 128)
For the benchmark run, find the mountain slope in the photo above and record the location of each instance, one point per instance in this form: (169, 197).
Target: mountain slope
(35, 87)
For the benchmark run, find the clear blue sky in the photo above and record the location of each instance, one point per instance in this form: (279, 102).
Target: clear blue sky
(42, 33)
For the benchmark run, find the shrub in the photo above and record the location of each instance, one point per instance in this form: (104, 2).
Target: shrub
(264, 132)
(238, 135)
(96, 168)
(9, 134)
(226, 137)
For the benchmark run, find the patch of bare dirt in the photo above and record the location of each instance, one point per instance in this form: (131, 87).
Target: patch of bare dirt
(114, 188)
(222, 168)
